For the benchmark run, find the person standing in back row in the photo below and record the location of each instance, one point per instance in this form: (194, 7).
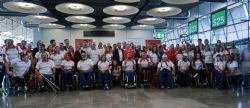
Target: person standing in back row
(246, 65)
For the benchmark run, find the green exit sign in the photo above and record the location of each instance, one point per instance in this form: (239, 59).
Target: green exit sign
(160, 35)
(193, 27)
(218, 18)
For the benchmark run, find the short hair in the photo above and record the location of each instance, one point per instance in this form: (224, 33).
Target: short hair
(42, 45)
(52, 40)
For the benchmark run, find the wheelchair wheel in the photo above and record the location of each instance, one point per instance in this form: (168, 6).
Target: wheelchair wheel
(6, 85)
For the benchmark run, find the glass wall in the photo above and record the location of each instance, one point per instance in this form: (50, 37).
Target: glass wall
(237, 23)
(12, 28)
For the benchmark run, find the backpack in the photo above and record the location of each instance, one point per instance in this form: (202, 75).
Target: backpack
(167, 66)
(125, 62)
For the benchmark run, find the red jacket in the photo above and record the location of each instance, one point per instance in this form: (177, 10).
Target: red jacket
(132, 53)
(171, 55)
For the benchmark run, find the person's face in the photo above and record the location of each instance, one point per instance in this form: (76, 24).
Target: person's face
(93, 45)
(172, 47)
(84, 56)
(103, 58)
(164, 59)
(144, 55)
(115, 62)
(25, 58)
(67, 57)
(66, 42)
(206, 41)
(119, 45)
(57, 49)
(9, 43)
(41, 48)
(61, 45)
(44, 56)
(199, 40)
(71, 49)
(50, 48)
(29, 46)
(24, 43)
(54, 43)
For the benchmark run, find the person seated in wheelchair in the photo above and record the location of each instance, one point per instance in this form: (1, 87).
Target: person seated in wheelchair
(165, 73)
(115, 70)
(104, 73)
(129, 67)
(85, 68)
(200, 70)
(183, 67)
(219, 71)
(234, 72)
(45, 69)
(67, 67)
(19, 74)
(144, 64)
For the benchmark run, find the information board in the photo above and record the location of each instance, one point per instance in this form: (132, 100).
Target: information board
(218, 18)
(193, 27)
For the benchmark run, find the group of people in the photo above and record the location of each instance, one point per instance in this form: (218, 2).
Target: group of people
(128, 64)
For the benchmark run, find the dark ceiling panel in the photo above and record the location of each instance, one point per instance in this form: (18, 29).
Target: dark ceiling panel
(98, 5)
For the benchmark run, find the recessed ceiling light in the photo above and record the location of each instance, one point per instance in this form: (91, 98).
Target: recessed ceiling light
(142, 27)
(116, 18)
(120, 8)
(164, 11)
(83, 25)
(41, 17)
(180, 1)
(24, 7)
(80, 17)
(27, 6)
(114, 26)
(75, 6)
(150, 19)
(52, 24)
(127, 1)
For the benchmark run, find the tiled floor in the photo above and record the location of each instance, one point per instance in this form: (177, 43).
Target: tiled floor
(133, 98)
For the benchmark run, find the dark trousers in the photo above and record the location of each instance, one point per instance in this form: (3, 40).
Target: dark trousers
(220, 79)
(85, 78)
(67, 78)
(130, 78)
(202, 74)
(165, 77)
(145, 75)
(116, 80)
(183, 79)
(103, 78)
(236, 80)
(57, 76)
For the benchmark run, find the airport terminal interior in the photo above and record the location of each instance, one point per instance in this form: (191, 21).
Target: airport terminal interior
(125, 53)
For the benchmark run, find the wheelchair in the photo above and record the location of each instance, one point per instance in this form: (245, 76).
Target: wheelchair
(145, 77)
(73, 83)
(197, 82)
(11, 86)
(165, 78)
(92, 82)
(125, 81)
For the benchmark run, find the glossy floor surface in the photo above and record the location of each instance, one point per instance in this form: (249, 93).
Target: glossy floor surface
(133, 98)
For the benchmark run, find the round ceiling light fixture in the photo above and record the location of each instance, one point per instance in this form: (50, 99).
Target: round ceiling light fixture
(120, 10)
(116, 20)
(40, 18)
(80, 19)
(74, 8)
(127, 1)
(151, 21)
(143, 27)
(164, 11)
(51, 26)
(114, 26)
(83, 26)
(180, 1)
(24, 7)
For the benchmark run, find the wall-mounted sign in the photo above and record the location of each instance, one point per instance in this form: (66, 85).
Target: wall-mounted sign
(193, 27)
(159, 35)
(218, 18)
